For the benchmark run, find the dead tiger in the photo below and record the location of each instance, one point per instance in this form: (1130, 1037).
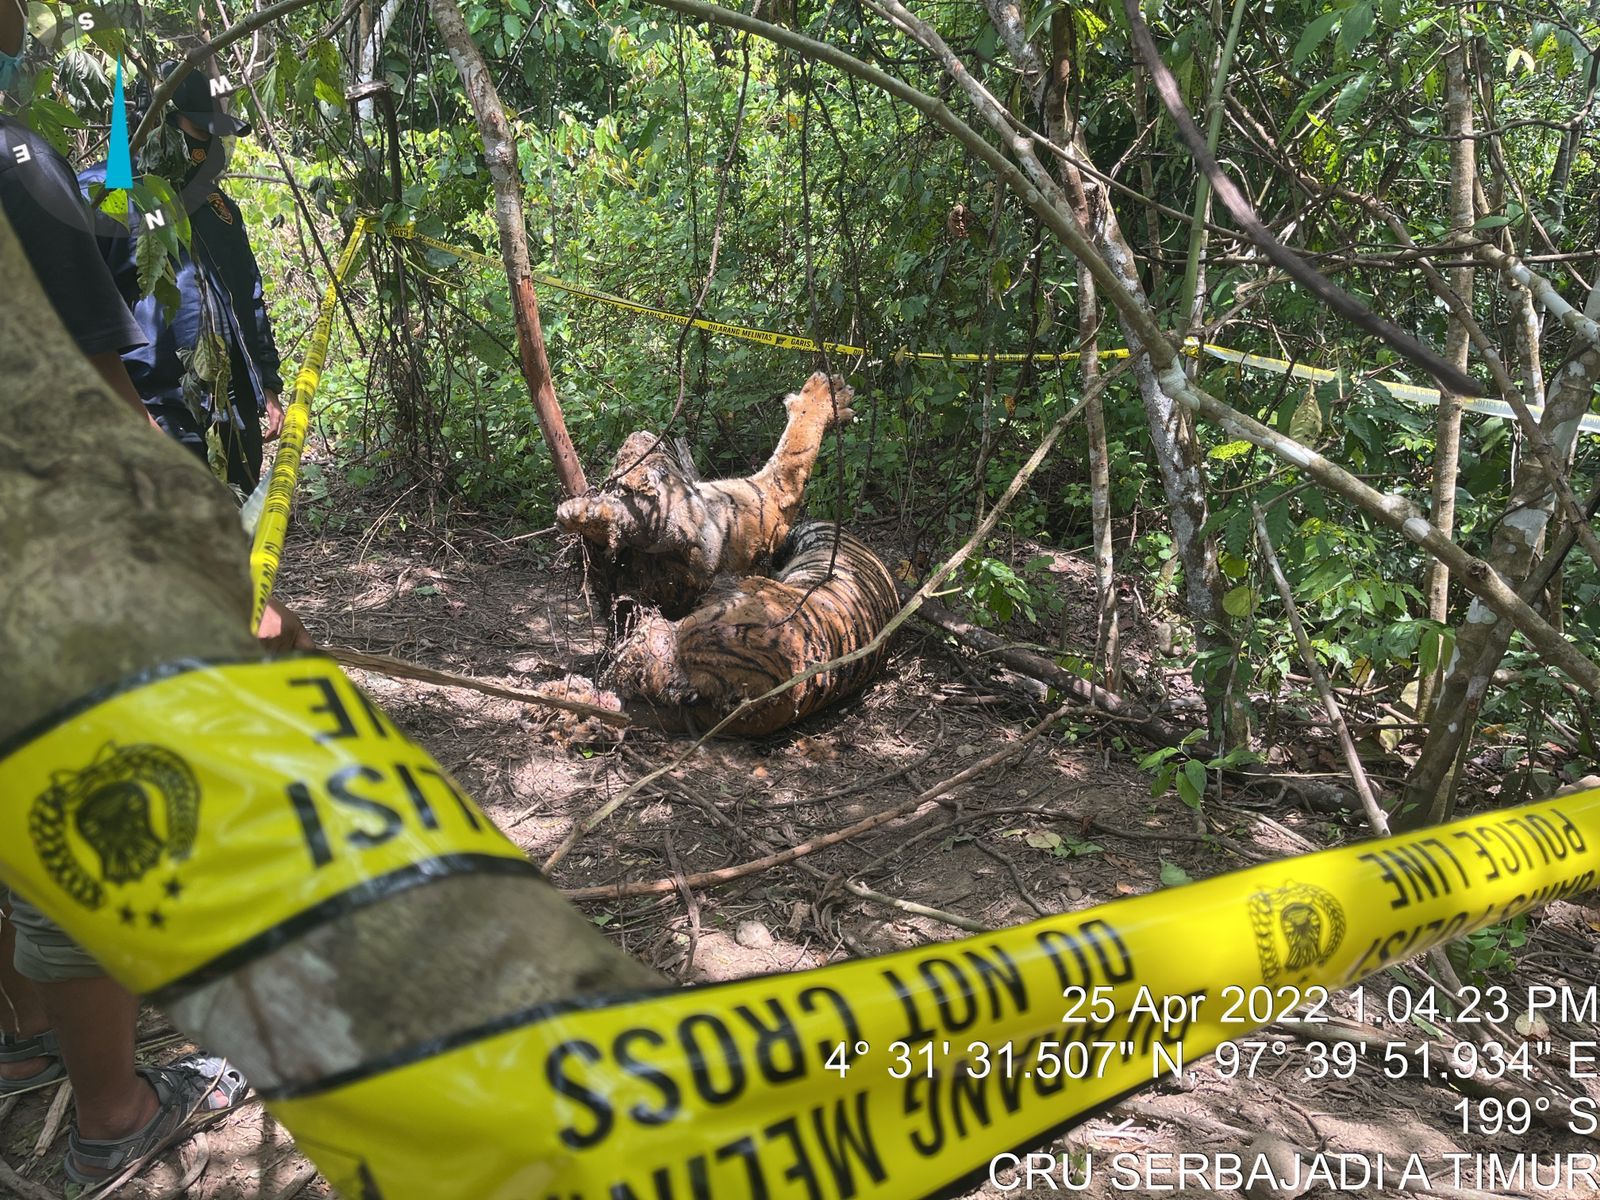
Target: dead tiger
(752, 634)
(666, 535)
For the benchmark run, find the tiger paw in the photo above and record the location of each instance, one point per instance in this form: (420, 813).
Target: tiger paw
(597, 518)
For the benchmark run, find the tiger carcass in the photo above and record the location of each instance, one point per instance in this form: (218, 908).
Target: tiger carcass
(662, 536)
(751, 634)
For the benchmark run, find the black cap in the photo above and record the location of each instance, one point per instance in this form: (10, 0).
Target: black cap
(194, 100)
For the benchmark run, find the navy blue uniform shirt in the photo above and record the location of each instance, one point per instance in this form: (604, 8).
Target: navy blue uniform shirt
(221, 249)
(40, 199)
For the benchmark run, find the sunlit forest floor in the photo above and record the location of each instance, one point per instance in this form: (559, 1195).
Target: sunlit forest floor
(1068, 824)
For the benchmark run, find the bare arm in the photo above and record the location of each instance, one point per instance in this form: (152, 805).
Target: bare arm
(109, 364)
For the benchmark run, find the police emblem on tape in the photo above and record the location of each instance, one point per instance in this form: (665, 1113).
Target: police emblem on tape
(115, 821)
(1297, 926)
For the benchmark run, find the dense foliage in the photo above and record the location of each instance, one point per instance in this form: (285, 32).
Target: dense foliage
(680, 165)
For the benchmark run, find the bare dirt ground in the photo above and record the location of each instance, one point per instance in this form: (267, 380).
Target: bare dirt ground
(1067, 824)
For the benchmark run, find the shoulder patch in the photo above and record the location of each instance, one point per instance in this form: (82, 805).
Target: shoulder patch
(220, 207)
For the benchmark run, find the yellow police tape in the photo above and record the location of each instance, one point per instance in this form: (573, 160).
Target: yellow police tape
(1401, 391)
(266, 547)
(203, 811)
(198, 817)
(785, 341)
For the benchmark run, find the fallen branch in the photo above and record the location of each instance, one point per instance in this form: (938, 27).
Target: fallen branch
(398, 668)
(723, 875)
(27, 1189)
(1153, 729)
(1036, 666)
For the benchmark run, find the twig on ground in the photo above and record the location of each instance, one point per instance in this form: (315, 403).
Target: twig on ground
(728, 874)
(26, 1189)
(303, 1174)
(690, 903)
(955, 920)
(53, 1119)
(875, 784)
(1016, 878)
(398, 668)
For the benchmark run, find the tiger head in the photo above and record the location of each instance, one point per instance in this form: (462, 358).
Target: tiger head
(602, 516)
(814, 402)
(646, 663)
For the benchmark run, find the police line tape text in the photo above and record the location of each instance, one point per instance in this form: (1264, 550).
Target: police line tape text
(343, 712)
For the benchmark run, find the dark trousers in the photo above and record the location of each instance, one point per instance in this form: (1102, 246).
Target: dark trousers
(241, 446)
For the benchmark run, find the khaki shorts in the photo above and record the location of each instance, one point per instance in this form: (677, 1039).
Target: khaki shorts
(45, 954)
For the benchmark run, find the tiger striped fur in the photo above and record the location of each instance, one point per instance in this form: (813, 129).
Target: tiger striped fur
(752, 634)
(665, 535)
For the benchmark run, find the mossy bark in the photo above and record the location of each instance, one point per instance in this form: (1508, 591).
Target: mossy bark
(119, 552)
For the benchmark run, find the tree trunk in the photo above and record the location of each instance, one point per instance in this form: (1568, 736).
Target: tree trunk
(1172, 430)
(370, 33)
(500, 153)
(1025, 175)
(1481, 639)
(1108, 633)
(118, 553)
(1447, 428)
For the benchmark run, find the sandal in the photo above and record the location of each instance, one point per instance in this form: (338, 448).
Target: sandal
(21, 1049)
(192, 1093)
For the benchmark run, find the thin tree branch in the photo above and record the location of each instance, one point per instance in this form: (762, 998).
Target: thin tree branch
(169, 86)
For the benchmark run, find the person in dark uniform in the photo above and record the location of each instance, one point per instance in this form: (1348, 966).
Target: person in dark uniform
(212, 365)
(60, 1014)
(66, 260)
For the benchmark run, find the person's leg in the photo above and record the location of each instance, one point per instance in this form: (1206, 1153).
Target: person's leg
(22, 1015)
(93, 1018)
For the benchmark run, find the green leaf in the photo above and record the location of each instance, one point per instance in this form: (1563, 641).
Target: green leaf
(1191, 783)
(1229, 450)
(1352, 97)
(1039, 18)
(1357, 25)
(1156, 757)
(1172, 875)
(1314, 35)
(1305, 426)
(151, 263)
(1074, 848)
(1239, 601)
(1317, 91)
